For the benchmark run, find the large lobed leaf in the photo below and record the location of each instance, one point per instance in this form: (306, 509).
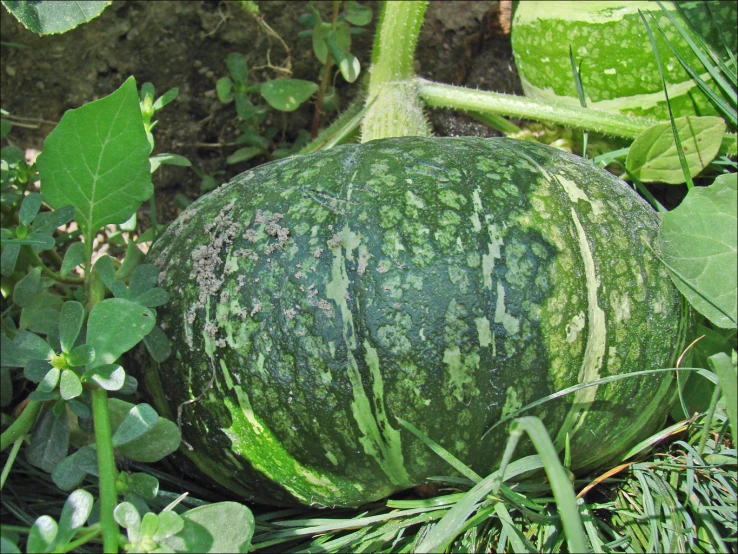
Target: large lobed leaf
(698, 244)
(97, 159)
(48, 17)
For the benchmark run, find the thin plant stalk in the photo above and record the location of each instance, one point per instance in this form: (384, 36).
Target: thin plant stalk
(318, 116)
(677, 140)
(49, 273)
(9, 463)
(106, 469)
(21, 425)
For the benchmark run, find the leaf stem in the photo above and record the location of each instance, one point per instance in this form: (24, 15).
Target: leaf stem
(21, 425)
(461, 98)
(106, 469)
(49, 273)
(318, 116)
(92, 532)
(340, 126)
(56, 258)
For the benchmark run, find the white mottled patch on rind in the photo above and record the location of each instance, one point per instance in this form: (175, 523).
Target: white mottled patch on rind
(512, 402)
(596, 342)
(414, 200)
(574, 327)
(477, 201)
(488, 260)
(331, 457)
(576, 194)
(510, 323)
(461, 372)
(621, 305)
(483, 331)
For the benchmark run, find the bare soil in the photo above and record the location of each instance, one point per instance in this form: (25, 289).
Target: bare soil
(184, 44)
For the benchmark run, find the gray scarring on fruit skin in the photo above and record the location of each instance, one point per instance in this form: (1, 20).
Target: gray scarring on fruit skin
(444, 281)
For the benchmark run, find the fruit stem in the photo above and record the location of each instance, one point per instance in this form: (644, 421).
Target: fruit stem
(396, 110)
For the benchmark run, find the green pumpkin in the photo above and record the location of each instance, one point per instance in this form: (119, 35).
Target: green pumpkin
(445, 281)
(612, 49)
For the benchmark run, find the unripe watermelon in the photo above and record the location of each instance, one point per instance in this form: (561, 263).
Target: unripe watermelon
(446, 281)
(618, 67)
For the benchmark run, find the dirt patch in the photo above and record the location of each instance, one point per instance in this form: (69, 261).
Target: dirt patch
(184, 44)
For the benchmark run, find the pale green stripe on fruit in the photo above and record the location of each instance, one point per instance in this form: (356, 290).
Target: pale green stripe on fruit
(510, 323)
(596, 341)
(488, 260)
(382, 445)
(254, 441)
(391, 442)
(477, 201)
(483, 331)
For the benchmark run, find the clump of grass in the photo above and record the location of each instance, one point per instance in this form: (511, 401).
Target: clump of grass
(672, 499)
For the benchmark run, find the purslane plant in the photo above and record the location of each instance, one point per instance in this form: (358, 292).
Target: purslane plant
(67, 333)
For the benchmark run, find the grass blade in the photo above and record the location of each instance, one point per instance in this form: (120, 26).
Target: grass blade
(658, 437)
(563, 392)
(580, 93)
(517, 540)
(443, 532)
(699, 51)
(452, 460)
(677, 140)
(726, 108)
(562, 489)
(731, 55)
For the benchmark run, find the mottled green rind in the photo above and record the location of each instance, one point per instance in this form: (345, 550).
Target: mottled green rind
(446, 281)
(618, 69)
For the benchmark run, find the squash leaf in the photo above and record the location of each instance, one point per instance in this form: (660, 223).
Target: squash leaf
(653, 155)
(97, 159)
(48, 17)
(726, 371)
(699, 243)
